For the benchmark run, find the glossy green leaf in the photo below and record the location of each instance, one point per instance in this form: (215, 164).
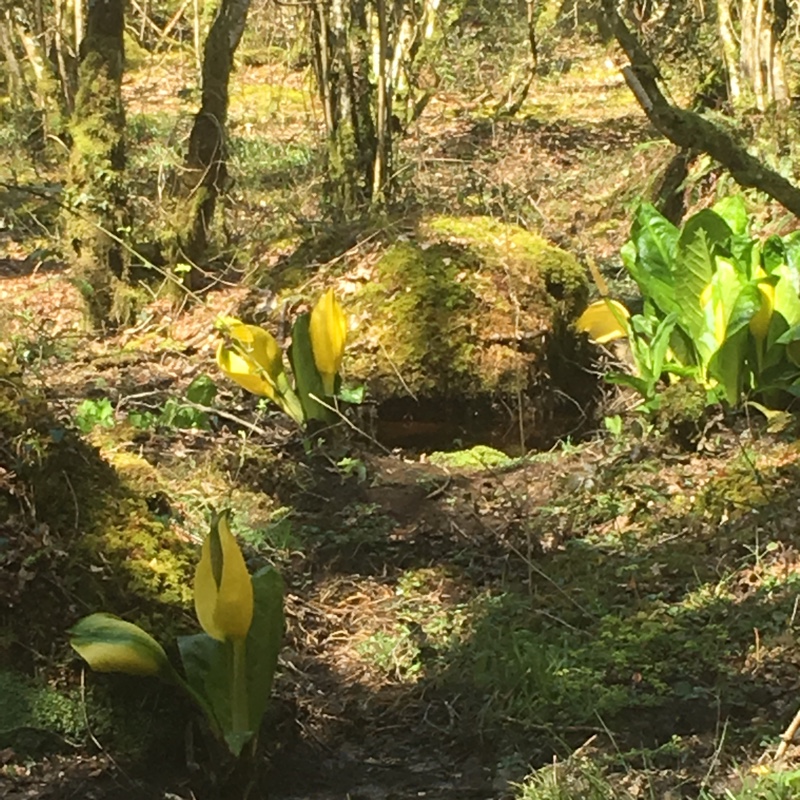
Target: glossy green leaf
(733, 212)
(695, 267)
(110, 644)
(773, 254)
(306, 375)
(649, 260)
(264, 641)
(728, 365)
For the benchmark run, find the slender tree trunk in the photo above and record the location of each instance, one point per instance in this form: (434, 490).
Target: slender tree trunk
(383, 111)
(342, 64)
(16, 80)
(362, 55)
(205, 171)
(96, 222)
(761, 61)
(730, 51)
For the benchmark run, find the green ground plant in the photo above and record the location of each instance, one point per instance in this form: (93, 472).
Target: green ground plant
(229, 668)
(720, 305)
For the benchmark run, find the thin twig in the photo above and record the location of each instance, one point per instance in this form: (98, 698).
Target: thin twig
(232, 417)
(397, 372)
(352, 425)
(786, 737)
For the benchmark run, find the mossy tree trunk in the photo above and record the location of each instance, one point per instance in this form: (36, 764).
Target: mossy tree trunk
(205, 171)
(341, 48)
(97, 219)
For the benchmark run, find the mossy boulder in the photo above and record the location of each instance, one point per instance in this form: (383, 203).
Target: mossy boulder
(463, 310)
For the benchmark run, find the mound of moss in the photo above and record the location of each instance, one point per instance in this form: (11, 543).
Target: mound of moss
(79, 528)
(464, 309)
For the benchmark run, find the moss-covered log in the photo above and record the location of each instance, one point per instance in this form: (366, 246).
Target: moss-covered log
(97, 215)
(205, 172)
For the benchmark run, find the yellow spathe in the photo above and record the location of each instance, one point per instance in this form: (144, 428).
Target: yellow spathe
(223, 591)
(760, 321)
(604, 321)
(252, 357)
(327, 329)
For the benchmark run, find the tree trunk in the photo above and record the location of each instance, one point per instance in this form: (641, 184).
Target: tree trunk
(97, 216)
(341, 46)
(205, 172)
(363, 52)
(761, 60)
(730, 50)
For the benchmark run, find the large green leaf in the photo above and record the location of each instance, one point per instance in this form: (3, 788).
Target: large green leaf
(694, 271)
(746, 304)
(791, 245)
(718, 232)
(308, 381)
(208, 663)
(264, 641)
(207, 666)
(660, 343)
(110, 644)
(786, 304)
(733, 212)
(728, 365)
(773, 254)
(650, 254)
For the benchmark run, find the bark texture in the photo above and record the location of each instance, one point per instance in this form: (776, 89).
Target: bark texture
(205, 172)
(363, 56)
(97, 218)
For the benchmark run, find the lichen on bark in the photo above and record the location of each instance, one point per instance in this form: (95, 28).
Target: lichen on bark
(96, 218)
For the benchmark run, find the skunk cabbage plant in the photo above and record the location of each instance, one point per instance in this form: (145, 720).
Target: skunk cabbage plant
(229, 668)
(252, 357)
(727, 301)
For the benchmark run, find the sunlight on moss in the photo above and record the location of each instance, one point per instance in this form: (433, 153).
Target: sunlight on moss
(257, 103)
(443, 313)
(478, 457)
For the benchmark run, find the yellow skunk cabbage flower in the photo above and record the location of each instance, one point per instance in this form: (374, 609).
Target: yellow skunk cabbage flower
(252, 357)
(327, 329)
(604, 321)
(759, 322)
(109, 644)
(223, 591)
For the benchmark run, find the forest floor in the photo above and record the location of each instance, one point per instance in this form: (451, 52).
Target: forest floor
(615, 618)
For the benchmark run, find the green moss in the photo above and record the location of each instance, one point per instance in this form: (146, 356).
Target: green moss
(136, 56)
(107, 549)
(478, 457)
(461, 310)
(525, 255)
(259, 102)
(97, 187)
(28, 708)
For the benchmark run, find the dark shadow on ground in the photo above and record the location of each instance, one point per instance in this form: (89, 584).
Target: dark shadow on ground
(620, 606)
